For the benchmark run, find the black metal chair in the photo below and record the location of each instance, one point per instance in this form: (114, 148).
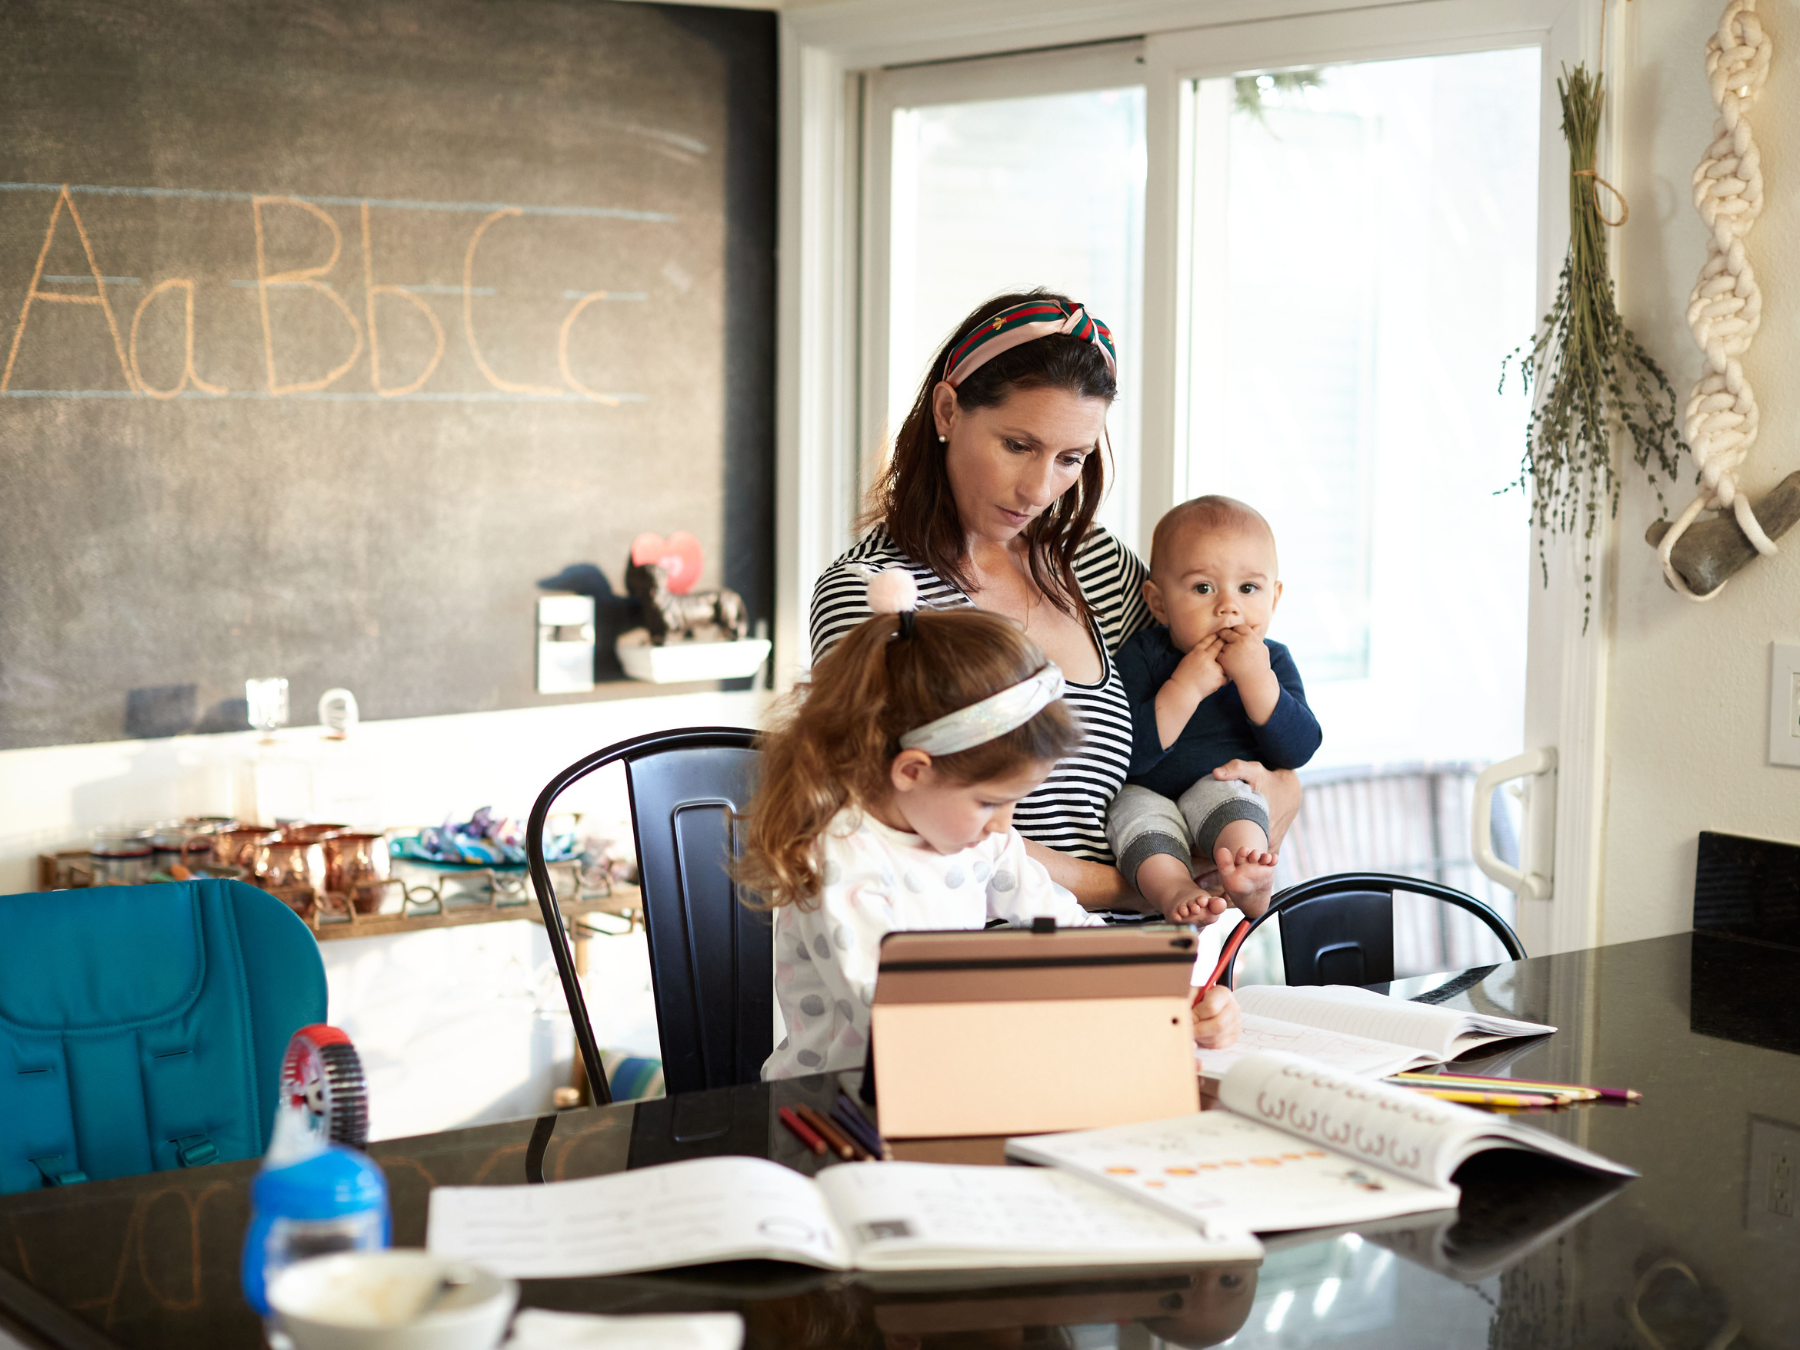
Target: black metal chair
(1339, 929)
(711, 958)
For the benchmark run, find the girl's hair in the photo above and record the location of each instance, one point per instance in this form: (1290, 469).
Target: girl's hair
(830, 743)
(912, 494)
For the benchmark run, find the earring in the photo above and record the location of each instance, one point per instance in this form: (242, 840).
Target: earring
(942, 439)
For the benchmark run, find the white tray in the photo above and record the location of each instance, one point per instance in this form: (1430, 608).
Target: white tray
(681, 662)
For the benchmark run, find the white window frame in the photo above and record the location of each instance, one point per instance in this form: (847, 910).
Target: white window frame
(827, 51)
(1112, 65)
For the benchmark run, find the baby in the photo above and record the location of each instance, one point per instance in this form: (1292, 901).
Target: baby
(1205, 688)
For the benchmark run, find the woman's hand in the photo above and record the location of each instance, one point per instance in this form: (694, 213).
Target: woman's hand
(1279, 787)
(1217, 1019)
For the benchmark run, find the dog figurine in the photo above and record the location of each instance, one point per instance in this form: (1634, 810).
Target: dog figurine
(682, 618)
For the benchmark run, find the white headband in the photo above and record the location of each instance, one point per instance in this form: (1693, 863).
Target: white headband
(993, 717)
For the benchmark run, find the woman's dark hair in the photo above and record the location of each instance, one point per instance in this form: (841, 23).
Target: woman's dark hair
(912, 496)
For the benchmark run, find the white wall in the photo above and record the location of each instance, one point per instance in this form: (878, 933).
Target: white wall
(1687, 716)
(455, 1026)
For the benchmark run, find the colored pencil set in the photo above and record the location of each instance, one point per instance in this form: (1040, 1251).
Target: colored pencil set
(847, 1132)
(1515, 1093)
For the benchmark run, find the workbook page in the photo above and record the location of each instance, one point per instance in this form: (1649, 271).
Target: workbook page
(1224, 1168)
(1358, 1055)
(678, 1214)
(1382, 1125)
(919, 1216)
(1443, 1033)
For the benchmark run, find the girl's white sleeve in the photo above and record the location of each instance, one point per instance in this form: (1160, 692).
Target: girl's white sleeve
(825, 963)
(1020, 890)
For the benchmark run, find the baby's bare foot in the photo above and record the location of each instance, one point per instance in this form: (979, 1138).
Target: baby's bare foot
(1165, 882)
(1244, 871)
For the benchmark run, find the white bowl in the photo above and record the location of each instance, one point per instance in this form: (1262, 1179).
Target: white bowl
(371, 1301)
(679, 662)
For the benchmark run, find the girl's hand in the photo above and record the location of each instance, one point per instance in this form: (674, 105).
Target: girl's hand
(1217, 1019)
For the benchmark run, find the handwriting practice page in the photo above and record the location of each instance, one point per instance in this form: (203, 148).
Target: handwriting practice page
(1443, 1033)
(923, 1215)
(1220, 1166)
(707, 1209)
(1357, 1055)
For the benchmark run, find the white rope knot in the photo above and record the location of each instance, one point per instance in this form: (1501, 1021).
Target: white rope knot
(1725, 308)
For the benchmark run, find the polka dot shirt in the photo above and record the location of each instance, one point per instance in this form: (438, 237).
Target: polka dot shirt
(878, 881)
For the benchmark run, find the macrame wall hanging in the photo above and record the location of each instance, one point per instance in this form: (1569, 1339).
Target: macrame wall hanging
(1724, 312)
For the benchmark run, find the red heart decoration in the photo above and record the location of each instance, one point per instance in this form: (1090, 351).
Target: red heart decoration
(679, 557)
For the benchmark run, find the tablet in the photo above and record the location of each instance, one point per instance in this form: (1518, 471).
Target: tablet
(1019, 1031)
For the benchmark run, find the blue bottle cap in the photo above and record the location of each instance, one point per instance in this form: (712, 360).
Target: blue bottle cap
(327, 1185)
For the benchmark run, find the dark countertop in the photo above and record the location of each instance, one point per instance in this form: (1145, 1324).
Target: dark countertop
(1707, 1027)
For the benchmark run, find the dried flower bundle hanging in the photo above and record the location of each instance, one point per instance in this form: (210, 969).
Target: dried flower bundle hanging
(1594, 377)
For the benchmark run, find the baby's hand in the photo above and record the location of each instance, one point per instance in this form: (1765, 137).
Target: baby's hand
(1217, 1019)
(1200, 672)
(1242, 656)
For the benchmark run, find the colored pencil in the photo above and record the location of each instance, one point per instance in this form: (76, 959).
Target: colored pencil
(1447, 1083)
(802, 1131)
(878, 1145)
(829, 1132)
(1605, 1093)
(856, 1128)
(1232, 943)
(1484, 1098)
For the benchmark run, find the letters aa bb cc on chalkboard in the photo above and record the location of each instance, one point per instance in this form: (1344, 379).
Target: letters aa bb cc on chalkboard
(332, 333)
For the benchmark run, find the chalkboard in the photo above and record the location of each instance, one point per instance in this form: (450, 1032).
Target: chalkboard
(335, 333)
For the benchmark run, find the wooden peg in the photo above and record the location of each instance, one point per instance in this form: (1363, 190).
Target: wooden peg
(1710, 551)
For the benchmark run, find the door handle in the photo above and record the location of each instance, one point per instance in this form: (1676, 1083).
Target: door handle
(1533, 763)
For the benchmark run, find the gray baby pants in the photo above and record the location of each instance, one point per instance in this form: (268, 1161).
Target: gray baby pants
(1141, 822)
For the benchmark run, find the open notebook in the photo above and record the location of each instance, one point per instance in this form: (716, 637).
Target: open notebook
(1358, 1031)
(1297, 1145)
(853, 1216)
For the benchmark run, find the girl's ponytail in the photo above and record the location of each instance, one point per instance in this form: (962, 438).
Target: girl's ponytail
(829, 743)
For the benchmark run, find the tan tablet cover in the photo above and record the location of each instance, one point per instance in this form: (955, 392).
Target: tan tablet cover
(1008, 1032)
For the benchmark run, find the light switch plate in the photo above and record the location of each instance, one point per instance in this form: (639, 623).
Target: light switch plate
(1784, 703)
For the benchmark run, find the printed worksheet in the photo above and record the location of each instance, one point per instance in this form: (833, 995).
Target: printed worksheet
(1234, 1170)
(922, 1215)
(1347, 1053)
(853, 1216)
(708, 1209)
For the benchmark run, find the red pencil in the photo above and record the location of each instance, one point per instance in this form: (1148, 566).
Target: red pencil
(802, 1131)
(1232, 943)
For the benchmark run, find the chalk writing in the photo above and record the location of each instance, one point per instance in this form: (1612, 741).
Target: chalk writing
(158, 353)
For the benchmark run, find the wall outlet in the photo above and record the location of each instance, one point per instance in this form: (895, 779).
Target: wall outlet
(1771, 1177)
(1784, 703)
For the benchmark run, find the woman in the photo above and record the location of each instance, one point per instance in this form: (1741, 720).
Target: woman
(989, 500)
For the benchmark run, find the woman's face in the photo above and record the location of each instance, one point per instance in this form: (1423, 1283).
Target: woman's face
(1008, 463)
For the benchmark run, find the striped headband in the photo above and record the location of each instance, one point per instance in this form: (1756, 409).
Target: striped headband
(1021, 324)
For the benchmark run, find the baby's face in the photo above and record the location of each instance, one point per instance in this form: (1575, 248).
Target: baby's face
(1207, 580)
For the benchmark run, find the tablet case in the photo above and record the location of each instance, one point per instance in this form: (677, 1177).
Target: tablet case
(1010, 1031)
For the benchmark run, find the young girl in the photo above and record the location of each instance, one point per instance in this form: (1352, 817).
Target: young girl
(886, 803)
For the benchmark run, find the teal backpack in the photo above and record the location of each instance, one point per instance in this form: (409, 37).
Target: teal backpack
(142, 1028)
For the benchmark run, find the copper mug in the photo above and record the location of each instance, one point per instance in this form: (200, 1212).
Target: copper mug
(237, 847)
(307, 832)
(279, 862)
(355, 862)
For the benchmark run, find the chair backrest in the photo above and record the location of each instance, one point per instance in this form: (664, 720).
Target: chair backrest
(142, 1027)
(711, 957)
(1340, 929)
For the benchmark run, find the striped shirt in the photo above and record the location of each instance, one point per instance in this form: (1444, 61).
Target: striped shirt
(1068, 811)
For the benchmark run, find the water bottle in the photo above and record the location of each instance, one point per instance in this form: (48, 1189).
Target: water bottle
(310, 1198)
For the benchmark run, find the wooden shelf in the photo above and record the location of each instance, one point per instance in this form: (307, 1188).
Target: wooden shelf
(441, 900)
